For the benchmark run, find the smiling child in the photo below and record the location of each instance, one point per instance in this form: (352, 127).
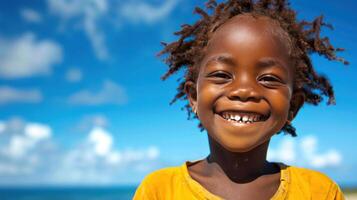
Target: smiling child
(248, 72)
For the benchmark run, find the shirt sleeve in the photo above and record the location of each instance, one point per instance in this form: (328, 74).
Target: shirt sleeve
(335, 193)
(339, 195)
(143, 192)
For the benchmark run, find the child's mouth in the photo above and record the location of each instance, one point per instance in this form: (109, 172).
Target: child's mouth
(243, 117)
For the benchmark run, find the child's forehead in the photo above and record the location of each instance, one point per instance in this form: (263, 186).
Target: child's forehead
(262, 22)
(247, 24)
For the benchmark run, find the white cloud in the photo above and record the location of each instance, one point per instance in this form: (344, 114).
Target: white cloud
(91, 120)
(37, 131)
(28, 150)
(101, 140)
(30, 15)
(330, 158)
(87, 12)
(143, 12)
(153, 152)
(110, 93)
(2, 127)
(74, 75)
(20, 141)
(18, 146)
(97, 161)
(77, 8)
(14, 125)
(26, 56)
(21, 144)
(287, 151)
(12, 95)
(309, 148)
(304, 152)
(308, 145)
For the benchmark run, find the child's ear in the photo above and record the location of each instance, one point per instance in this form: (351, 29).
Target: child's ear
(297, 101)
(190, 89)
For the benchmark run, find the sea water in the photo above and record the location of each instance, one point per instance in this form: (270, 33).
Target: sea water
(68, 193)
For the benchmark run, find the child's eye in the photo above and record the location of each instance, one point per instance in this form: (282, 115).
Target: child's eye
(220, 74)
(270, 80)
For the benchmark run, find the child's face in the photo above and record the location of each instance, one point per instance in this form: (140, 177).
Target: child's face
(246, 72)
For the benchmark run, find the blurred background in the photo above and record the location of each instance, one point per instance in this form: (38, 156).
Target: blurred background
(83, 109)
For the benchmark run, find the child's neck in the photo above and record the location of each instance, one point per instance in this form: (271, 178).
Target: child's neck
(240, 167)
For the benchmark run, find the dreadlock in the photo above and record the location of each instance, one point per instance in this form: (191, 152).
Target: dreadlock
(305, 37)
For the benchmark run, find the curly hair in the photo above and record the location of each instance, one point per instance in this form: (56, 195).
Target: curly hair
(304, 36)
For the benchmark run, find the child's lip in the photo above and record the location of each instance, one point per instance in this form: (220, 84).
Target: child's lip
(252, 108)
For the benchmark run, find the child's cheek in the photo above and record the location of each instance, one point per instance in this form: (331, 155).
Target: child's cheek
(281, 100)
(207, 94)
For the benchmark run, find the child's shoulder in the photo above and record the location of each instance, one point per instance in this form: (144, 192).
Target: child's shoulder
(163, 175)
(311, 182)
(160, 184)
(309, 175)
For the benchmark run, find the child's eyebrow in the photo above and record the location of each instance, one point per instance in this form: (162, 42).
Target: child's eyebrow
(225, 59)
(262, 63)
(269, 62)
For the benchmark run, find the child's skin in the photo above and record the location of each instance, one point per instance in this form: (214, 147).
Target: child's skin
(246, 68)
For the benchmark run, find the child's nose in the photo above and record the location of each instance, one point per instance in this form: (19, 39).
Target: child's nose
(243, 89)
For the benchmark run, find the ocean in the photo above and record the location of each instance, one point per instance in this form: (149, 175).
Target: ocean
(68, 193)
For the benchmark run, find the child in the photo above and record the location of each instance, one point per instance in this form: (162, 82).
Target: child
(248, 72)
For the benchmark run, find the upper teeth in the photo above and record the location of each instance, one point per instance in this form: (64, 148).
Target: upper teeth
(244, 117)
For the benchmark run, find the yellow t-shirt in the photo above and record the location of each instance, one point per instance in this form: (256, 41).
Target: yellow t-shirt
(295, 183)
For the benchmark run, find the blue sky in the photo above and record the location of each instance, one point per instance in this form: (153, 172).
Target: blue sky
(82, 102)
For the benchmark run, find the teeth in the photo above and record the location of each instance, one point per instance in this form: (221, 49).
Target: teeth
(237, 117)
(257, 118)
(234, 117)
(245, 118)
(225, 116)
